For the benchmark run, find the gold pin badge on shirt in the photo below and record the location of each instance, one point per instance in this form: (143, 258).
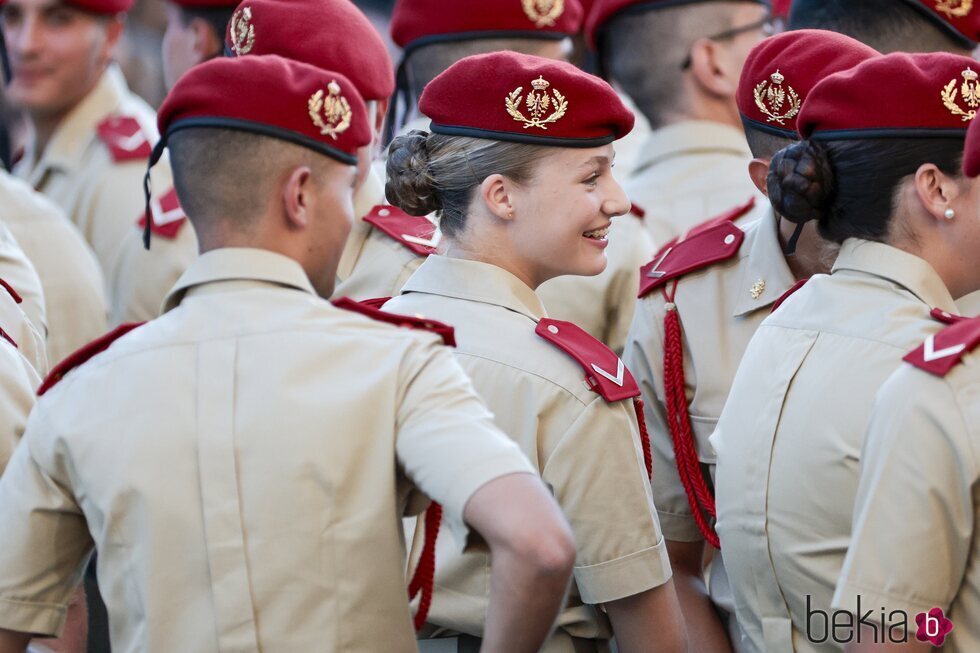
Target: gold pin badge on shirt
(538, 102)
(758, 288)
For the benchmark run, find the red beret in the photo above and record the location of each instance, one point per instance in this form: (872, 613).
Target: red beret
(343, 39)
(415, 23)
(971, 153)
(959, 17)
(272, 96)
(605, 10)
(904, 95)
(102, 6)
(206, 4)
(780, 8)
(781, 71)
(508, 96)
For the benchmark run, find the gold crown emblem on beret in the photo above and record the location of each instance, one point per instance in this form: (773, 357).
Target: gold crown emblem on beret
(242, 31)
(330, 112)
(955, 8)
(771, 96)
(543, 13)
(968, 93)
(538, 102)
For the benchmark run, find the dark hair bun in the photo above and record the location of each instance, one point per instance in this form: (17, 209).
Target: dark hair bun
(800, 182)
(410, 184)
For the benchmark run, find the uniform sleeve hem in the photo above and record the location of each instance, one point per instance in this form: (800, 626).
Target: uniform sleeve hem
(678, 527)
(471, 480)
(847, 595)
(626, 576)
(36, 618)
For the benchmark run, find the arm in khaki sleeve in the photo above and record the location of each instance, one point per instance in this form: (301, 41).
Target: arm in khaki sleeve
(449, 447)
(17, 383)
(914, 500)
(46, 543)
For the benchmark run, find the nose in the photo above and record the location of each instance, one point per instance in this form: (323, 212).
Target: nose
(23, 36)
(616, 202)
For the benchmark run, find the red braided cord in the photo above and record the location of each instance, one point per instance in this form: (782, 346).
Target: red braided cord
(644, 436)
(424, 578)
(688, 465)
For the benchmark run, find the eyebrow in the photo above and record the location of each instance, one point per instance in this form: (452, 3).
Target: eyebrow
(596, 160)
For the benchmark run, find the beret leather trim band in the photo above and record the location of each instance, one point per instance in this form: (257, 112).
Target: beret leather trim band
(854, 134)
(755, 125)
(262, 130)
(475, 35)
(511, 137)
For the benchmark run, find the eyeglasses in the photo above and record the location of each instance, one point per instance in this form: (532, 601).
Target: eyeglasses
(767, 25)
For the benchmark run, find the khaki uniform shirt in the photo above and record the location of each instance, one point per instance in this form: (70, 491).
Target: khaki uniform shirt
(104, 199)
(688, 173)
(789, 439)
(373, 263)
(916, 537)
(18, 381)
(969, 305)
(603, 304)
(16, 199)
(587, 450)
(720, 308)
(244, 474)
(72, 281)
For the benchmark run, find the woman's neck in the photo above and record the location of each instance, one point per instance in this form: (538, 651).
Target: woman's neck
(501, 257)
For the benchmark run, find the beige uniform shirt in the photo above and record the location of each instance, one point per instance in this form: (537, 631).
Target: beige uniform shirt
(688, 173)
(373, 263)
(789, 439)
(587, 450)
(720, 308)
(969, 305)
(244, 474)
(104, 199)
(73, 285)
(18, 381)
(916, 531)
(17, 199)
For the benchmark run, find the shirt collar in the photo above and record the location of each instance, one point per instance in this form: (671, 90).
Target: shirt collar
(238, 264)
(692, 137)
(66, 149)
(766, 275)
(476, 282)
(893, 264)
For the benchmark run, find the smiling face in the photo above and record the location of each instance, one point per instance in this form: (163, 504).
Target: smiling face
(57, 53)
(563, 214)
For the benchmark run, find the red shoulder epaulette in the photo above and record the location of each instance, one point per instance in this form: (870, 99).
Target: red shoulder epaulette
(604, 370)
(719, 243)
(941, 352)
(946, 317)
(10, 290)
(786, 295)
(168, 217)
(638, 211)
(415, 233)
(83, 354)
(446, 332)
(124, 137)
(375, 302)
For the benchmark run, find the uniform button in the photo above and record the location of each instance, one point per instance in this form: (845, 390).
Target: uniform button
(729, 239)
(552, 328)
(384, 213)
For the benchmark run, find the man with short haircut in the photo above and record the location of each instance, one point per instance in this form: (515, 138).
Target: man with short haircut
(679, 61)
(195, 33)
(90, 139)
(256, 508)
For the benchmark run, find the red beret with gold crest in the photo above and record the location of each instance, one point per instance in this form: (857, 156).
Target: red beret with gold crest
(959, 17)
(521, 98)
(343, 39)
(415, 23)
(271, 96)
(929, 95)
(780, 72)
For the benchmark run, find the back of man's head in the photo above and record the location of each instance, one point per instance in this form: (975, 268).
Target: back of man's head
(886, 25)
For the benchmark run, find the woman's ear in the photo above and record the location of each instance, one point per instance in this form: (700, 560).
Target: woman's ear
(496, 195)
(759, 172)
(936, 191)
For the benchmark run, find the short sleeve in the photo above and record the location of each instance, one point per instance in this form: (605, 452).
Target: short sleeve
(914, 515)
(447, 442)
(644, 357)
(599, 478)
(46, 543)
(17, 383)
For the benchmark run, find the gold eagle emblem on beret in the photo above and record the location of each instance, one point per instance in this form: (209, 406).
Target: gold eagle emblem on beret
(771, 96)
(242, 31)
(543, 13)
(968, 94)
(955, 8)
(538, 102)
(330, 111)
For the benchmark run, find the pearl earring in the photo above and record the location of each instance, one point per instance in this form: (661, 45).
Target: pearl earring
(950, 214)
